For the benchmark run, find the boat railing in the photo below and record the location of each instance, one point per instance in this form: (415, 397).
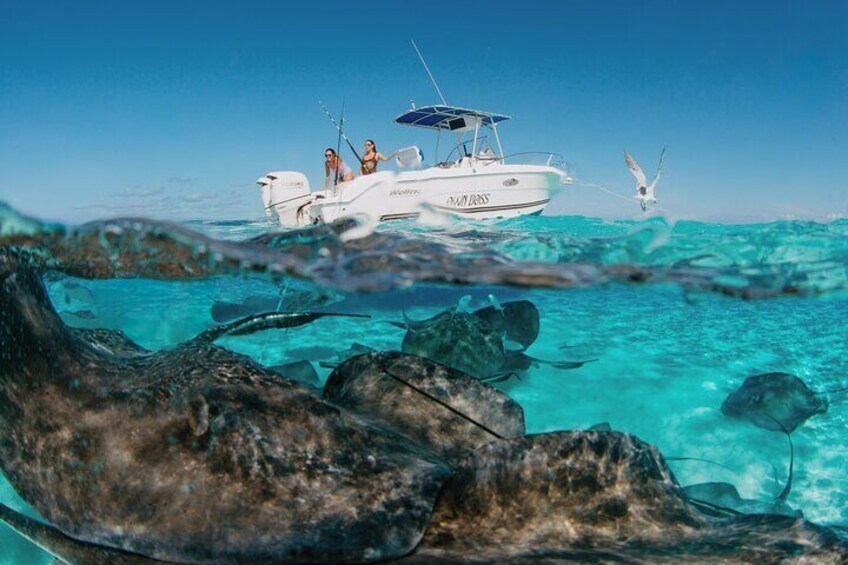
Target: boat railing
(528, 158)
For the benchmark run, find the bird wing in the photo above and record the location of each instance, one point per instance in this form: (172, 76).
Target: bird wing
(657, 176)
(634, 168)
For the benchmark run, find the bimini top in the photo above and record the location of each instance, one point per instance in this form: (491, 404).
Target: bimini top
(450, 118)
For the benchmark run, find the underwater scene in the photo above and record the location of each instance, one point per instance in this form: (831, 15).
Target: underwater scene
(541, 388)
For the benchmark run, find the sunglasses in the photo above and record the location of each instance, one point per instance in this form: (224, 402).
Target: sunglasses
(328, 155)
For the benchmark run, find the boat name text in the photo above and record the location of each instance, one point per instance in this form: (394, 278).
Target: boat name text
(468, 200)
(405, 192)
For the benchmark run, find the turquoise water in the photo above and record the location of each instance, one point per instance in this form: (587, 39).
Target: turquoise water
(666, 352)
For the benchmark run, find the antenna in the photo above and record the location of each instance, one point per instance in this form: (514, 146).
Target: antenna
(426, 68)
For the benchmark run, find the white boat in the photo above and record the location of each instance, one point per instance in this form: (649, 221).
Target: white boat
(480, 183)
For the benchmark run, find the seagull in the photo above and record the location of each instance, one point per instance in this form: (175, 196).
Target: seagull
(644, 191)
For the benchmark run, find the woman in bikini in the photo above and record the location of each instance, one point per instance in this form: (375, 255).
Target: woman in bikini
(331, 163)
(369, 160)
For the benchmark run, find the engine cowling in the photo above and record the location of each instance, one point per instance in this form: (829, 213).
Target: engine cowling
(289, 197)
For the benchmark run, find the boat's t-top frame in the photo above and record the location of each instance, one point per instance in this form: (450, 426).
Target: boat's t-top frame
(454, 120)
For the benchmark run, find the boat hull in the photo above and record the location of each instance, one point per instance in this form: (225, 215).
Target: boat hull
(479, 192)
(503, 193)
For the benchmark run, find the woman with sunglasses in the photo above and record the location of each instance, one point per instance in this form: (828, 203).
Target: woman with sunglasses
(369, 160)
(333, 163)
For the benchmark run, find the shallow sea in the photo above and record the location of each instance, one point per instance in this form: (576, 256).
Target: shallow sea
(699, 308)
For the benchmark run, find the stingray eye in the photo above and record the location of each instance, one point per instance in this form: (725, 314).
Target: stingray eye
(756, 399)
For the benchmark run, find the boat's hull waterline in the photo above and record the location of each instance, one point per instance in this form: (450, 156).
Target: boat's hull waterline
(468, 189)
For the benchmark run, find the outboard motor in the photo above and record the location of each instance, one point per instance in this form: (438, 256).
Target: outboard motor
(265, 188)
(290, 198)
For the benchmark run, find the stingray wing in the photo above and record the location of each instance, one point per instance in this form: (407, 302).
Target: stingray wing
(634, 168)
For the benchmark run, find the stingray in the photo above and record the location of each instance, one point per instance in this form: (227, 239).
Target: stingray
(64, 548)
(444, 409)
(268, 321)
(723, 497)
(345, 354)
(458, 339)
(111, 342)
(300, 371)
(520, 361)
(477, 342)
(289, 301)
(519, 320)
(774, 401)
(555, 491)
(196, 454)
(596, 497)
(607, 427)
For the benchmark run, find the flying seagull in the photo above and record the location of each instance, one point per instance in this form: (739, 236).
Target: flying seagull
(644, 191)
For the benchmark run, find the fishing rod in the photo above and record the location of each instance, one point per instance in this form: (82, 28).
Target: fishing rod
(338, 150)
(338, 127)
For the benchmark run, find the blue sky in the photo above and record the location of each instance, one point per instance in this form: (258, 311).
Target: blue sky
(174, 109)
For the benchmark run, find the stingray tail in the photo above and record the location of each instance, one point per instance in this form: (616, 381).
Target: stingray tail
(784, 494)
(268, 321)
(717, 464)
(500, 377)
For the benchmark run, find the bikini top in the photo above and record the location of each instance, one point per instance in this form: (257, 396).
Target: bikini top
(369, 165)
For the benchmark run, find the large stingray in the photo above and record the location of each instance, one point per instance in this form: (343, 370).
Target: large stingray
(774, 401)
(445, 410)
(519, 320)
(195, 454)
(558, 490)
(488, 343)
(67, 549)
(596, 497)
(458, 339)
